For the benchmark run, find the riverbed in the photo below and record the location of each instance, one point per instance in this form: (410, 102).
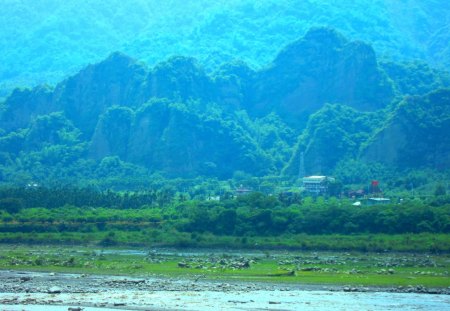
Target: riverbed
(59, 291)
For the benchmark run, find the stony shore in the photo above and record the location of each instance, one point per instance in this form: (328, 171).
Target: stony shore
(128, 293)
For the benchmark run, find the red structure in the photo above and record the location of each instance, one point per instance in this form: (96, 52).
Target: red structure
(375, 186)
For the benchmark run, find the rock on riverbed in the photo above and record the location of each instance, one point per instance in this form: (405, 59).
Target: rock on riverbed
(127, 293)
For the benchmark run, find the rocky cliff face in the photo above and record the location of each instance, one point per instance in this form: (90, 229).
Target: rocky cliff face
(112, 133)
(117, 81)
(415, 135)
(323, 67)
(388, 145)
(333, 133)
(24, 105)
(319, 68)
(170, 137)
(181, 79)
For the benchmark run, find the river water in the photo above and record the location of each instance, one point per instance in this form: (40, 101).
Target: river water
(232, 300)
(21, 290)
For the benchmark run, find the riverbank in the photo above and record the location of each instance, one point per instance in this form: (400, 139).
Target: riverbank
(282, 267)
(32, 290)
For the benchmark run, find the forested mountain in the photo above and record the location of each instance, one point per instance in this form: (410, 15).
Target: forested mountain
(323, 95)
(45, 41)
(321, 67)
(415, 132)
(412, 134)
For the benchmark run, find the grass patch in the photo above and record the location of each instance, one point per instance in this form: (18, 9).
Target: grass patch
(302, 267)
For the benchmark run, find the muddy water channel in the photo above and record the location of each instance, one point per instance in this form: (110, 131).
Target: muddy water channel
(285, 288)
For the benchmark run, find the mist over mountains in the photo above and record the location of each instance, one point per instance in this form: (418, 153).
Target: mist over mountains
(323, 95)
(45, 41)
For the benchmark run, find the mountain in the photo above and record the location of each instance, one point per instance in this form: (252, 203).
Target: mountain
(415, 78)
(414, 134)
(46, 41)
(333, 133)
(169, 137)
(324, 96)
(321, 67)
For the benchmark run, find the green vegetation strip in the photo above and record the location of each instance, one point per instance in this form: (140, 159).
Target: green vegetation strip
(422, 243)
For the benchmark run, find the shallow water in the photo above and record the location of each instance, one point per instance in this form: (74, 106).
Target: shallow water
(187, 252)
(249, 300)
(47, 308)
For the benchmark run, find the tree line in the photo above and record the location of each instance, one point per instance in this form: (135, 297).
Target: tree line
(254, 214)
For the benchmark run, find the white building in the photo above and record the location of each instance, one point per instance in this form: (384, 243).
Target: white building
(317, 184)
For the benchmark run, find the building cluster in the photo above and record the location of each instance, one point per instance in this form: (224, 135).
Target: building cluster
(319, 185)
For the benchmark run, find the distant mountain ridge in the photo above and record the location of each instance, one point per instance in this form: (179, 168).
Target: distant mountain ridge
(45, 41)
(319, 68)
(177, 119)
